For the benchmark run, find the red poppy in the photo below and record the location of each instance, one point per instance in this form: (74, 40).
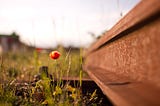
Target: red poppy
(39, 49)
(54, 55)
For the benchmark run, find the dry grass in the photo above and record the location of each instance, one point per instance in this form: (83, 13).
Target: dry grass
(23, 66)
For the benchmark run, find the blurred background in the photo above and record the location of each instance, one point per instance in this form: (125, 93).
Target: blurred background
(50, 23)
(31, 29)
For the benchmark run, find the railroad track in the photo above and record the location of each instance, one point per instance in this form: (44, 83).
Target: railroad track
(125, 62)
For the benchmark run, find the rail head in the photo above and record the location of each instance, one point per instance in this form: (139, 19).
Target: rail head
(125, 62)
(141, 12)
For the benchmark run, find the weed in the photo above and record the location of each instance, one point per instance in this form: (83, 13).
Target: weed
(18, 87)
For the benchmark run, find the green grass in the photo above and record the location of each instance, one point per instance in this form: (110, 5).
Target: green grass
(22, 66)
(27, 64)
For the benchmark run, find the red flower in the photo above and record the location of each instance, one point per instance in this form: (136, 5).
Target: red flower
(54, 55)
(39, 49)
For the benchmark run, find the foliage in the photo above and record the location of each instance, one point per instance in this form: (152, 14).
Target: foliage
(19, 67)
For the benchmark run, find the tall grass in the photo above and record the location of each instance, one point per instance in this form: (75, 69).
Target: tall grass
(27, 63)
(22, 66)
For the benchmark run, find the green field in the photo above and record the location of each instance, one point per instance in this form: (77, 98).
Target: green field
(20, 64)
(18, 68)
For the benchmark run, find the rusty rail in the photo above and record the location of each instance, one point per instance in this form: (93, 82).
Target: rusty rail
(125, 62)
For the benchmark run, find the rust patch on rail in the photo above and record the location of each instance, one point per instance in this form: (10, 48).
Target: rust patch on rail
(125, 62)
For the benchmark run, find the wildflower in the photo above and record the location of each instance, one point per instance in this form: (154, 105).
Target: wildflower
(39, 49)
(71, 89)
(54, 55)
(58, 91)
